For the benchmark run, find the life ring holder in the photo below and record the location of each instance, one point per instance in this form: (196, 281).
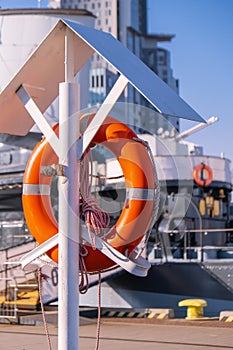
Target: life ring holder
(198, 175)
(135, 218)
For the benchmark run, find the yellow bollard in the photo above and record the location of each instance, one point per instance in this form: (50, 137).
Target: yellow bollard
(195, 307)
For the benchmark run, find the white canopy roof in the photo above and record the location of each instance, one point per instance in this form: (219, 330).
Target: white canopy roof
(44, 70)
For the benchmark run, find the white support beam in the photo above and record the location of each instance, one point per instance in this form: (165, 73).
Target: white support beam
(41, 249)
(38, 118)
(69, 57)
(102, 113)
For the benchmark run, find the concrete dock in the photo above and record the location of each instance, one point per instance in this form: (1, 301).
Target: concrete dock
(127, 334)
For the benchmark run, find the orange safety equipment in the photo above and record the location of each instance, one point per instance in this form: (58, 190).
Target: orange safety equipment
(136, 216)
(198, 174)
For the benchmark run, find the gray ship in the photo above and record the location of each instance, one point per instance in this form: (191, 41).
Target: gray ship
(190, 247)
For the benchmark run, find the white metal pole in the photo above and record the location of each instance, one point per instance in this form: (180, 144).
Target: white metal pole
(68, 309)
(68, 295)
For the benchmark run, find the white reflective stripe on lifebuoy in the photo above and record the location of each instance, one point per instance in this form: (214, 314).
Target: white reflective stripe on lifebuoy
(36, 189)
(143, 194)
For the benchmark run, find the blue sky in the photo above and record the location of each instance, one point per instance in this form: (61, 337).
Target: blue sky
(201, 58)
(22, 3)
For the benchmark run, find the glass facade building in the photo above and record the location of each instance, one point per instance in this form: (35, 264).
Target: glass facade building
(126, 21)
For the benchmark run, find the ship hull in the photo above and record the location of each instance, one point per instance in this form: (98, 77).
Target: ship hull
(165, 285)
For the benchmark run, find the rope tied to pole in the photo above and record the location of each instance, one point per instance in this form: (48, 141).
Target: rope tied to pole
(96, 219)
(83, 283)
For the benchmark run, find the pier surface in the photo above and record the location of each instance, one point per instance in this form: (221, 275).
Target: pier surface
(127, 334)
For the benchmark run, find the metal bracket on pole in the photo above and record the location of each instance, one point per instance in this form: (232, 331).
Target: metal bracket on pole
(137, 266)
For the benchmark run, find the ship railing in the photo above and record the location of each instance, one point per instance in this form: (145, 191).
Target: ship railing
(8, 303)
(13, 233)
(203, 249)
(14, 281)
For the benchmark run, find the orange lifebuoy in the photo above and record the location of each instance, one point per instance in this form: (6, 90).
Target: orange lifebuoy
(198, 174)
(137, 213)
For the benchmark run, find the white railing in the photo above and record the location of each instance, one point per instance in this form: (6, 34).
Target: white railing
(200, 251)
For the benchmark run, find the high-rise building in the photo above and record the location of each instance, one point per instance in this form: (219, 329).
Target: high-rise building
(126, 20)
